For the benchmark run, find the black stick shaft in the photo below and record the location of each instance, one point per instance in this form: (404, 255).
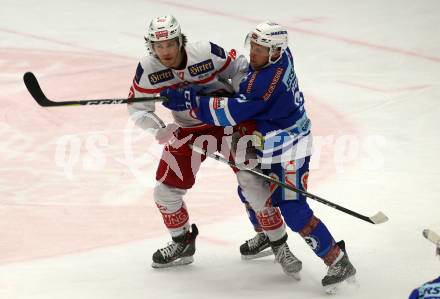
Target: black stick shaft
(34, 89)
(376, 219)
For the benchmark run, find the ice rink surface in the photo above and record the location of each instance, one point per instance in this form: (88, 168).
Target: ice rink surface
(77, 218)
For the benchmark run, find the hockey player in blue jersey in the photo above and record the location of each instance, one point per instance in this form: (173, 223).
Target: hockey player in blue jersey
(270, 95)
(431, 289)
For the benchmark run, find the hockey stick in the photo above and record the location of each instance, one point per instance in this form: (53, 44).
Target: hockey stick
(34, 89)
(432, 236)
(378, 218)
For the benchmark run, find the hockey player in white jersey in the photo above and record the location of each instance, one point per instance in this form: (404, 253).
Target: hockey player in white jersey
(206, 66)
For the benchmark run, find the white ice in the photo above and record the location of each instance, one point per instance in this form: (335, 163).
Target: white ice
(77, 218)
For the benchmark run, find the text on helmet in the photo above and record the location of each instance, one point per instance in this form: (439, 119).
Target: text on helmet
(279, 32)
(161, 34)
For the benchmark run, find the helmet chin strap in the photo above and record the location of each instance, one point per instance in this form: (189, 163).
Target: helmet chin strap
(180, 41)
(270, 61)
(271, 52)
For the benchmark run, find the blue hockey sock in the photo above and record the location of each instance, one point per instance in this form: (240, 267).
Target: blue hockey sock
(318, 237)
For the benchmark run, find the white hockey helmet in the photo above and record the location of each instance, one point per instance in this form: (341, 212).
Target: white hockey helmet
(434, 238)
(271, 35)
(163, 28)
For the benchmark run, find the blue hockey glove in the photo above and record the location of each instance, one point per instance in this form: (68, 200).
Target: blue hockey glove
(180, 99)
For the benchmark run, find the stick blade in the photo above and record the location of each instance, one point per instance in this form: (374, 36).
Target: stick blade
(35, 90)
(379, 218)
(432, 236)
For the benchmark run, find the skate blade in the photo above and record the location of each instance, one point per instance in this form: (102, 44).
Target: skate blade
(258, 255)
(179, 262)
(335, 288)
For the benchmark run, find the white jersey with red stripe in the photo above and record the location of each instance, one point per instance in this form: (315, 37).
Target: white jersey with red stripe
(208, 67)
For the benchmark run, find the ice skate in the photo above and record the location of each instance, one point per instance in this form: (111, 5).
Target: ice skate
(178, 252)
(256, 247)
(341, 271)
(289, 262)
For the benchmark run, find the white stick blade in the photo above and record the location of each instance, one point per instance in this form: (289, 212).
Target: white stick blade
(379, 218)
(432, 236)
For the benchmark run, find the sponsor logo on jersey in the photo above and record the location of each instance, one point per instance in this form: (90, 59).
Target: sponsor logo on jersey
(218, 103)
(273, 84)
(139, 72)
(218, 51)
(161, 34)
(288, 80)
(431, 291)
(160, 77)
(201, 67)
(251, 82)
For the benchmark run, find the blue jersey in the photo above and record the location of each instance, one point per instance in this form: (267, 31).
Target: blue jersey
(430, 290)
(272, 98)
